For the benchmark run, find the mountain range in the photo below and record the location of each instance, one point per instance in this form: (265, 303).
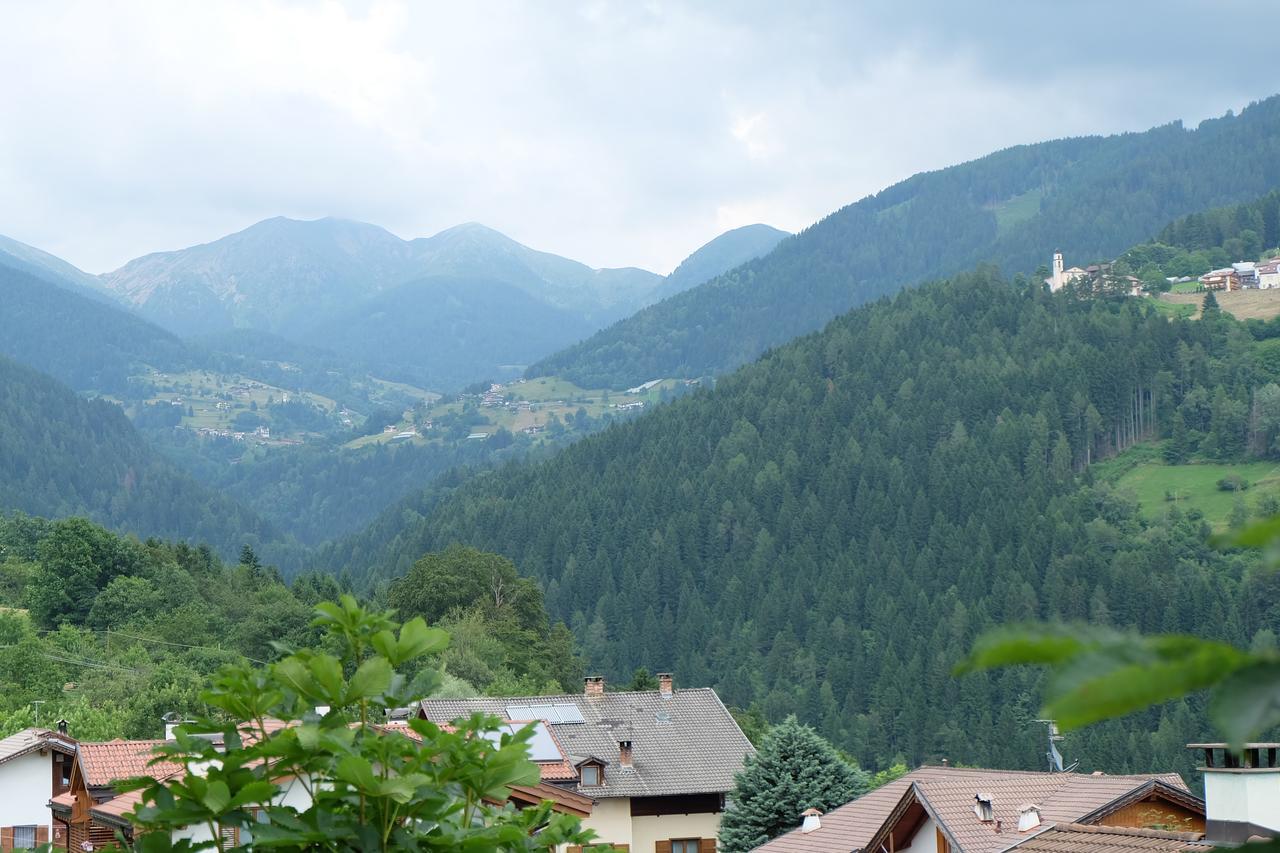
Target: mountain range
(468, 303)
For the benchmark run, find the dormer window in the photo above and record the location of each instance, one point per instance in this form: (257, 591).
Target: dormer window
(592, 774)
(983, 808)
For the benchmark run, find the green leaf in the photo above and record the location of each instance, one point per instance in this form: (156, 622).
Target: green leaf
(217, 796)
(370, 680)
(1257, 535)
(357, 772)
(416, 639)
(1029, 644)
(1247, 702)
(327, 672)
(1166, 668)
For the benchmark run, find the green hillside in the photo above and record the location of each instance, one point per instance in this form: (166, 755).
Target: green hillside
(84, 342)
(62, 455)
(826, 531)
(1091, 197)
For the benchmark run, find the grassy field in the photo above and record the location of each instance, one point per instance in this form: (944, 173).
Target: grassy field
(1186, 287)
(1175, 309)
(1242, 304)
(1158, 487)
(1018, 209)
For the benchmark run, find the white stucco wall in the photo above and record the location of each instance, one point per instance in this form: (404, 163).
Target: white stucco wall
(925, 840)
(611, 819)
(647, 831)
(1243, 796)
(26, 784)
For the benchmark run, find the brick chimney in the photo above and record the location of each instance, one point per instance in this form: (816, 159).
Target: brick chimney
(665, 687)
(624, 754)
(593, 685)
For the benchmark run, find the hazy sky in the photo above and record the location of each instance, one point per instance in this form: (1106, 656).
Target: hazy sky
(617, 133)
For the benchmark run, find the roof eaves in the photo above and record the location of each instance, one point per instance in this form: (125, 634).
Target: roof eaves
(913, 794)
(1183, 798)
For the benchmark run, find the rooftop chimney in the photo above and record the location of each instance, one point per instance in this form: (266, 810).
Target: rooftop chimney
(624, 754)
(1241, 791)
(593, 685)
(63, 726)
(1028, 816)
(983, 807)
(811, 819)
(665, 687)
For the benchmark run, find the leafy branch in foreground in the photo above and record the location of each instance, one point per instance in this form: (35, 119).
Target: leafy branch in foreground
(1096, 674)
(309, 762)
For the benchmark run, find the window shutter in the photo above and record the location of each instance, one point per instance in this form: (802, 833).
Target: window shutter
(663, 847)
(574, 848)
(6, 838)
(706, 845)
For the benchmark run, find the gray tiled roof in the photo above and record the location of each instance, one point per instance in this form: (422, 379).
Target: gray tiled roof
(31, 739)
(686, 743)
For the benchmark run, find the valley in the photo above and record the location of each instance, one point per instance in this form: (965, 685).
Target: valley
(463, 536)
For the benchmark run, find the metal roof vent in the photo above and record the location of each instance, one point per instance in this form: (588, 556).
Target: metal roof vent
(1028, 816)
(811, 820)
(982, 807)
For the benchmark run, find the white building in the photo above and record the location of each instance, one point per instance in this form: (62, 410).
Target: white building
(35, 764)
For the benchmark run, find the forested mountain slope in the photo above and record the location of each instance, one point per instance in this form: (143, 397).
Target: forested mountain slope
(1091, 197)
(445, 332)
(827, 531)
(86, 343)
(731, 249)
(62, 455)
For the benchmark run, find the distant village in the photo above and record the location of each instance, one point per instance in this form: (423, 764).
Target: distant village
(1241, 275)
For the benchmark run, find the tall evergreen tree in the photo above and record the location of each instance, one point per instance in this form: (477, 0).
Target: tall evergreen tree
(795, 769)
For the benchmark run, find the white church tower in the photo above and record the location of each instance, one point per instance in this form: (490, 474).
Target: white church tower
(1056, 281)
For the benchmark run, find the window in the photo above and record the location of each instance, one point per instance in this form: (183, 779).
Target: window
(591, 774)
(24, 838)
(684, 845)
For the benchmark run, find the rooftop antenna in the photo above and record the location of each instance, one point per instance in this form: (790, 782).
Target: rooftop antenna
(36, 704)
(1054, 757)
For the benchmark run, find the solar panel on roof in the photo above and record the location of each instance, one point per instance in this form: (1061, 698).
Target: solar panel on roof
(544, 712)
(543, 747)
(519, 712)
(570, 714)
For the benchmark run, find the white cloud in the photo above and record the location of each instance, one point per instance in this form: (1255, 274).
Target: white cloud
(613, 132)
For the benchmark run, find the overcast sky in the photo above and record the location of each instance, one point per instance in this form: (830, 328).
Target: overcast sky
(616, 133)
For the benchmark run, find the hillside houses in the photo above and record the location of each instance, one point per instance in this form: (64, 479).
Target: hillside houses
(1244, 275)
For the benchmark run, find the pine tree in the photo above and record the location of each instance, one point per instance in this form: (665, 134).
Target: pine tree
(1210, 302)
(794, 769)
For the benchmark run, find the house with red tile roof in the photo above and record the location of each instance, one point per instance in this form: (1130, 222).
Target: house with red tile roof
(967, 810)
(91, 811)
